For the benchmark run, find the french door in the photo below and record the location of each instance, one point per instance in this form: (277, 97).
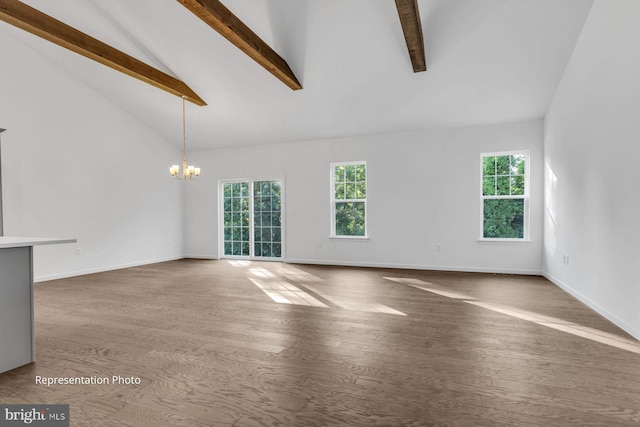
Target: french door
(252, 219)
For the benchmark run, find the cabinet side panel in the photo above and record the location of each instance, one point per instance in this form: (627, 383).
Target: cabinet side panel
(16, 333)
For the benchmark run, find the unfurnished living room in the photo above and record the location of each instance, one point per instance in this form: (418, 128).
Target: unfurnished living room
(319, 213)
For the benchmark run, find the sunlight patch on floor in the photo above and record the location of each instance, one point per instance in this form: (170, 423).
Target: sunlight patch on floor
(539, 319)
(285, 287)
(353, 305)
(261, 272)
(408, 281)
(430, 287)
(564, 326)
(239, 263)
(286, 293)
(295, 274)
(444, 293)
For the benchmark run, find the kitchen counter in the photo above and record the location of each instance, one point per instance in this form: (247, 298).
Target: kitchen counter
(17, 338)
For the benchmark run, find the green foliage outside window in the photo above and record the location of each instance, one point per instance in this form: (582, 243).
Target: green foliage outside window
(267, 219)
(350, 219)
(503, 175)
(267, 234)
(236, 218)
(504, 218)
(350, 194)
(503, 188)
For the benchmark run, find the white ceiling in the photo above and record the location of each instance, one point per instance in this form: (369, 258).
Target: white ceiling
(489, 61)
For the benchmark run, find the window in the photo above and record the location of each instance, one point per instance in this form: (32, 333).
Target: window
(505, 195)
(267, 219)
(252, 219)
(349, 199)
(236, 218)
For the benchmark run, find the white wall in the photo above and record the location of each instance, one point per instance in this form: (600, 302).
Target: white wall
(74, 165)
(423, 191)
(592, 138)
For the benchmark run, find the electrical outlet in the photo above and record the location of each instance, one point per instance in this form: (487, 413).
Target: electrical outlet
(78, 251)
(437, 248)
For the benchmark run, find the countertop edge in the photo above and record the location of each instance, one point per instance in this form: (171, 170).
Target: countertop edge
(17, 242)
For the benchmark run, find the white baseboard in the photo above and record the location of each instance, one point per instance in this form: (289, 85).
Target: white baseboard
(594, 306)
(417, 267)
(44, 278)
(199, 256)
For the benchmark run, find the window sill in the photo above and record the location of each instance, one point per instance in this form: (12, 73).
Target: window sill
(516, 242)
(349, 237)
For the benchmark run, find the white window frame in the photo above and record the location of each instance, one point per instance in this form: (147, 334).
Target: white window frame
(251, 256)
(333, 199)
(525, 197)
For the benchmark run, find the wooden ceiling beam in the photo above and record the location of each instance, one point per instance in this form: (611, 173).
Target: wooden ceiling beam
(412, 29)
(218, 17)
(32, 20)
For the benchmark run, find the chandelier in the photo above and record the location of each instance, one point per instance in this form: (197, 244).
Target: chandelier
(188, 172)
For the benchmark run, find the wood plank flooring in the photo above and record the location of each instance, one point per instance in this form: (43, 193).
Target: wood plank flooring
(235, 343)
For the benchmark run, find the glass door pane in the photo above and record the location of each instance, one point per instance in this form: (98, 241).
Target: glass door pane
(267, 219)
(236, 219)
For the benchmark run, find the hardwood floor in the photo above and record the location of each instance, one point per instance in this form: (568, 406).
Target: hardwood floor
(233, 343)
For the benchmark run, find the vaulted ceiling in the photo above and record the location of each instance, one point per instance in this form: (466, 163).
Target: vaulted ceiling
(488, 61)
